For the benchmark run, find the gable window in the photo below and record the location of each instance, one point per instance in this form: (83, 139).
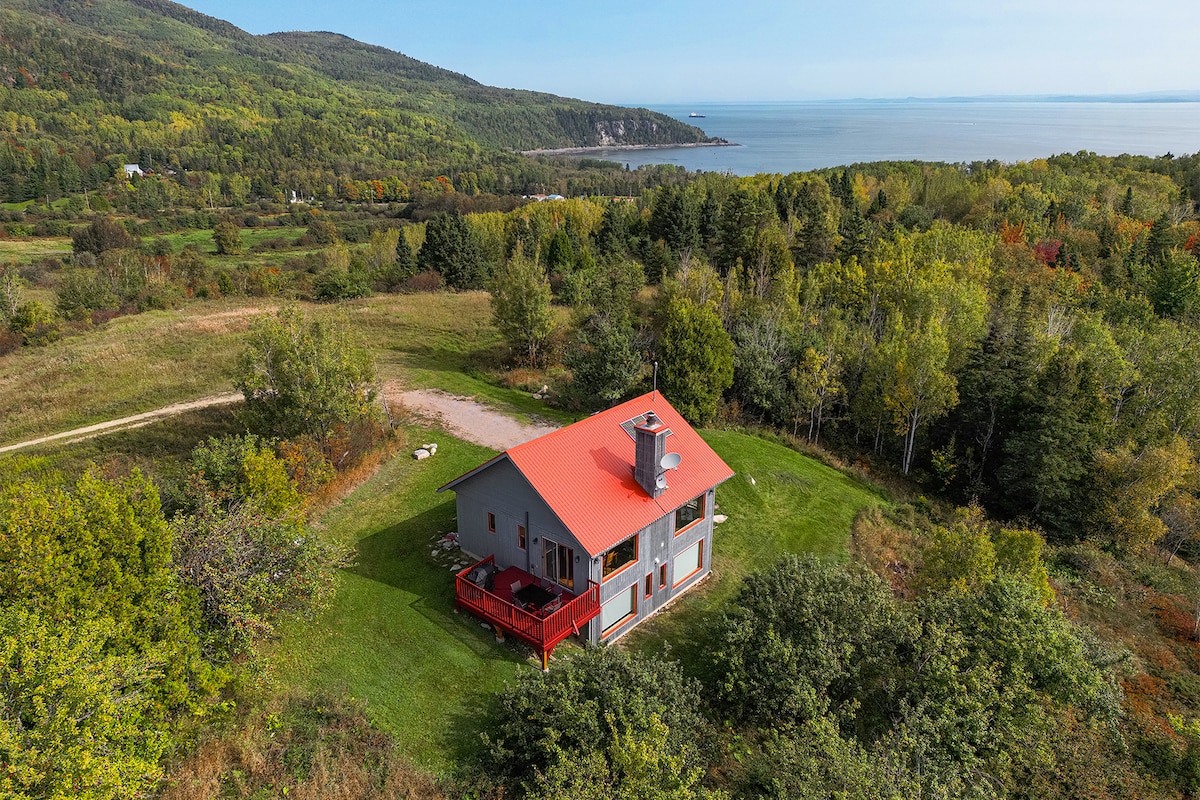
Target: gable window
(689, 562)
(491, 522)
(690, 512)
(619, 610)
(620, 557)
(522, 536)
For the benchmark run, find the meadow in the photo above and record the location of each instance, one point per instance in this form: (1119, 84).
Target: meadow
(390, 637)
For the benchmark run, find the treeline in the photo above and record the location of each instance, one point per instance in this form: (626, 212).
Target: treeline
(1019, 335)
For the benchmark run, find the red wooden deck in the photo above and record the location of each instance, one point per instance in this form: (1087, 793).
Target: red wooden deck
(542, 631)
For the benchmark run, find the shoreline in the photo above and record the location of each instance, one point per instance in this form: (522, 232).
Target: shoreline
(604, 148)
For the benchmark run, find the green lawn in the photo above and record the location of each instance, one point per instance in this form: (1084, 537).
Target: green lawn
(391, 637)
(780, 501)
(202, 238)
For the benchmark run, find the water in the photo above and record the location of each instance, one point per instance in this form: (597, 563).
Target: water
(799, 136)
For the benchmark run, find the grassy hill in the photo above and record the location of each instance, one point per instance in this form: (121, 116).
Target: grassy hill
(87, 87)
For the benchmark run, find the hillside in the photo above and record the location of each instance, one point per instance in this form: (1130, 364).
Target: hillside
(86, 87)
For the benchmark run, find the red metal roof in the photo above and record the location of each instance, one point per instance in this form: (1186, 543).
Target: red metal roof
(584, 472)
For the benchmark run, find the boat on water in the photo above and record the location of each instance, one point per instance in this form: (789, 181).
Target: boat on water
(694, 115)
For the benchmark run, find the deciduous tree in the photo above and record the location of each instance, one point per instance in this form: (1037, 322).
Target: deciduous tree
(304, 376)
(521, 307)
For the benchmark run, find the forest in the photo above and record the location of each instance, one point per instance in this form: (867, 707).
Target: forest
(1005, 354)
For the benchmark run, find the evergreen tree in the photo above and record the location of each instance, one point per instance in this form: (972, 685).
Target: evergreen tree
(697, 356)
(1126, 204)
(853, 232)
(604, 359)
(451, 251)
(675, 220)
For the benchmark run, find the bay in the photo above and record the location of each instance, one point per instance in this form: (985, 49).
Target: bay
(787, 137)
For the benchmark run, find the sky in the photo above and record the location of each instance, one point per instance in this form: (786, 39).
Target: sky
(641, 52)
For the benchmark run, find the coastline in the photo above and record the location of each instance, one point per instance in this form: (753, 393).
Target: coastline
(604, 148)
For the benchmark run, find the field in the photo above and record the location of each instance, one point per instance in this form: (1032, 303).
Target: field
(390, 636)
(142, 362)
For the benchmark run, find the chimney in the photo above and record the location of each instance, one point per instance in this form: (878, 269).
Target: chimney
(649, 448)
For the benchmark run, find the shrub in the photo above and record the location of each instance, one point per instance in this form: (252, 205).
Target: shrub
(36, 324)
(605, 723)
(104, 233)
(427, 281)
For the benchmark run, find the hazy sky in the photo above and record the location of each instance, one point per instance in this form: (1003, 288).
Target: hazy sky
(656, 51)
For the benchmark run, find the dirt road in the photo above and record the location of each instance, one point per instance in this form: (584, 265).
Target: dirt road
(468, 419)
(462, 416)
(135, 421)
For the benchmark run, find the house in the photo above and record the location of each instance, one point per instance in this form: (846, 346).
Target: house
(590, 529)
(133, 169)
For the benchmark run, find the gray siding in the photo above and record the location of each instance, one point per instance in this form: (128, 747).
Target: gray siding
(503, 491)
(657, 545)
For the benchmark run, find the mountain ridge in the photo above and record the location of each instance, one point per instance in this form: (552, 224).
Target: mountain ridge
(134, 81)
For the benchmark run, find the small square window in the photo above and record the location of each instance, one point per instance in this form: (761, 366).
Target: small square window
(491, 522)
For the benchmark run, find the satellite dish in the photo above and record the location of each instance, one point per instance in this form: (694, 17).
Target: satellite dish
(671, 461)
(661, 481)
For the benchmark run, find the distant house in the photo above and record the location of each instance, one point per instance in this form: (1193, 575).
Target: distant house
(590, 529)
(133, 169)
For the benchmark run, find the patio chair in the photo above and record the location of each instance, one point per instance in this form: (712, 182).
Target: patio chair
(516, 587)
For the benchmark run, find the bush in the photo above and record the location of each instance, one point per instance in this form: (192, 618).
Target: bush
(227, 237)
(36, 324)
(304, 376)
(604, 724)
(84, 291)
(427, 281)
(249, 567)
(103, 234)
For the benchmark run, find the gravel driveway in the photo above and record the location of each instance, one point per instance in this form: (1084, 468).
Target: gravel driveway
(467, 419)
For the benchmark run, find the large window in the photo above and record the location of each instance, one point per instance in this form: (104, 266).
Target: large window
(689, 562)
(618, 610)
(559, 563)
(620, 557)
(688, 513)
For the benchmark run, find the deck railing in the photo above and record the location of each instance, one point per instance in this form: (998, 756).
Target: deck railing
(541, 631)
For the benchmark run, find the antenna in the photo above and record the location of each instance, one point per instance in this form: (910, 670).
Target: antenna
(669, 461)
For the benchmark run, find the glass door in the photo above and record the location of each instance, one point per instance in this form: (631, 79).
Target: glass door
(558, 563)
